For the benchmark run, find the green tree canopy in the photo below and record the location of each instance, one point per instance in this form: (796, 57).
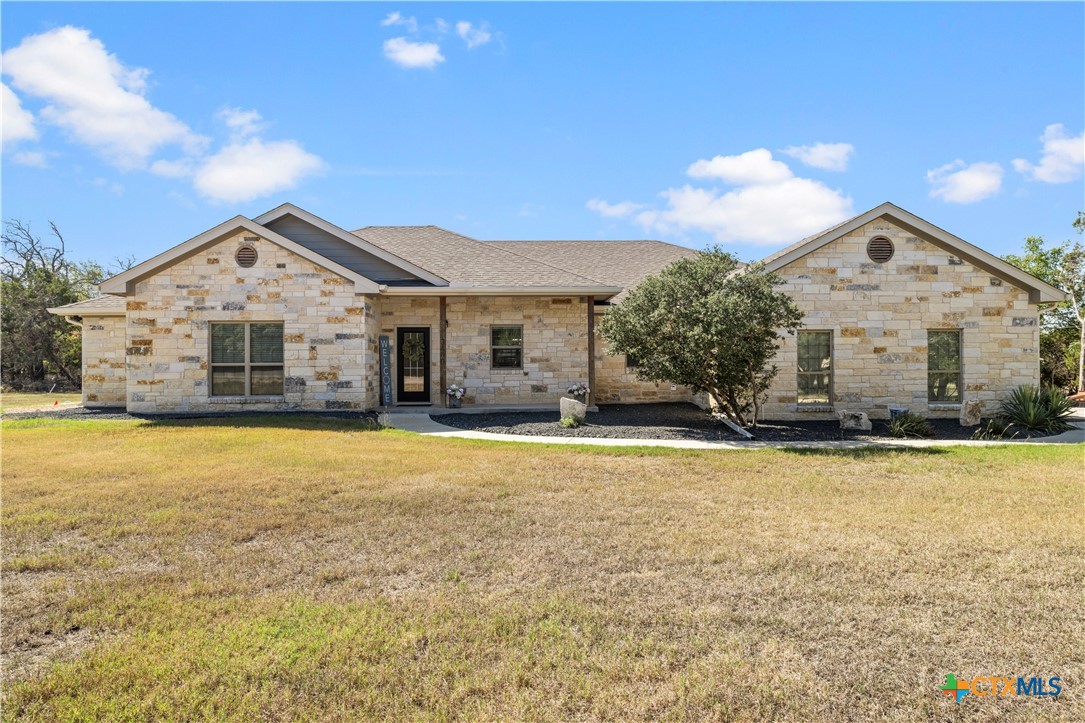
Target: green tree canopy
(709, 324)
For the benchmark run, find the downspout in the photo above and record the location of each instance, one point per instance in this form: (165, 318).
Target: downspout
(591, 351)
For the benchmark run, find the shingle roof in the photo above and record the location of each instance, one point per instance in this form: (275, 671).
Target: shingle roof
(106, 303)
(615, 263)
(467, 262)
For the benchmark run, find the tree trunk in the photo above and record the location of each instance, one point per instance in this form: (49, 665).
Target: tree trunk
(1081, 357)
(756, 403)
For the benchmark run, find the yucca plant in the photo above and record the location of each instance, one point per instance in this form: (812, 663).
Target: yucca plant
(910, 424)
(1038, 410)
(996, 428)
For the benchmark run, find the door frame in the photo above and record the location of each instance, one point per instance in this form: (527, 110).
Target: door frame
(423, 397)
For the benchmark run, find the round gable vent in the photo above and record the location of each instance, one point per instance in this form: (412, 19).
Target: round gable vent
(879, 249)
(246, 256)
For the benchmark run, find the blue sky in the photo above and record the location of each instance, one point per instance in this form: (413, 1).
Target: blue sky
(136, 126)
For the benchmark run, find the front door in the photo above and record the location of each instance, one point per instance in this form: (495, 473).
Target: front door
(412, 364)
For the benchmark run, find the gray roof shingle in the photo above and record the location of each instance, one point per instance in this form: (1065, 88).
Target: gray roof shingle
(615, 263)
(468, 262)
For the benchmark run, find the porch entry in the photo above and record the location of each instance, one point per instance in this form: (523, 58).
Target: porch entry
(412, 365)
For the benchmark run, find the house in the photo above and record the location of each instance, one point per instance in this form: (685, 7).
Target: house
(289, 312)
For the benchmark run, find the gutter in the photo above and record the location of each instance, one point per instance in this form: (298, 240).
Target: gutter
(501, 291)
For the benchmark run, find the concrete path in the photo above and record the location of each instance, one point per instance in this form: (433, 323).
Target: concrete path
(421, 423)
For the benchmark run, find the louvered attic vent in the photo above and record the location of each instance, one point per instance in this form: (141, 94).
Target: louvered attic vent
(879, 249)
(246, 256)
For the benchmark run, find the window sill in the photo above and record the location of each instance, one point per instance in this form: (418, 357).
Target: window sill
(270, 398)
(811, 408)
(503, 370)
(940, 406)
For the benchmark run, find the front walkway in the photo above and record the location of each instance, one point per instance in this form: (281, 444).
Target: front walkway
(421, 423)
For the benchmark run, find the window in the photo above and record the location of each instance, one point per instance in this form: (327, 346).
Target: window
(815, 367)
(506, 347)
(631, 361)
(944, 367)
(246, 359)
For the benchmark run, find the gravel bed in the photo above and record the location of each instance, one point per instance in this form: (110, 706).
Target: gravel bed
(675, 421)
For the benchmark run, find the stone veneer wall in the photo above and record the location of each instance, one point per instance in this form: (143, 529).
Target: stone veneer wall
(325, 349)
(397, 311)
(555, 347)
(880, 314)
(104, 372)
(615, 384)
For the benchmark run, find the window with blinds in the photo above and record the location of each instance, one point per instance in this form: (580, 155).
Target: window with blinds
(507, 347)
(246, 359)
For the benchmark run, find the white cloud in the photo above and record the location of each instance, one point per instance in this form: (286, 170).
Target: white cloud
(396, 18)
(242, 123)
(442, 26)
(94, 97)
(34, 159)
(1062, 159)
(769, 205)
(829, 156)
(244, 170)
(473, 36)
(959, 182)
(757, 166)
(17, 123)
(614, 210)
(112, 186)
(760, 214)
(409, 54)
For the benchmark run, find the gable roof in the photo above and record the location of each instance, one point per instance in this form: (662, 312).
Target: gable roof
(468, 263)
(106, 305)
(289, 209)
(617, 263)
(1039, 291)
(123, 283)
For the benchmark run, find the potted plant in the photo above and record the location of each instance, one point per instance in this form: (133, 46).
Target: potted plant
(576, 407)
(455, 393)
(579, 390)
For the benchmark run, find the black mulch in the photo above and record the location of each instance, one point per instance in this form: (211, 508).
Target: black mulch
(675, 421)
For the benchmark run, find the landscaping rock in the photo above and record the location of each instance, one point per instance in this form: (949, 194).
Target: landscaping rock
(855, 420)
(971, 411)
(573, 408)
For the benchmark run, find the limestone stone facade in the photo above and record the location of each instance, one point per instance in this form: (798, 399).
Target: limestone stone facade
(169, 316)
(147, 341)
(879, 315)
(104, 371)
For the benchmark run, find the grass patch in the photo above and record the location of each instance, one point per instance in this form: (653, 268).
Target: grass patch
(15, 401)
(291, 567)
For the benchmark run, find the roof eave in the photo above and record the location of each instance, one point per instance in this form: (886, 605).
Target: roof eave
(1040, 292)
(289, 209)
(606, 291)
(123, 284)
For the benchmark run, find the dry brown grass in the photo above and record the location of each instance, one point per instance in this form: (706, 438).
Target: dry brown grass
(310, 569)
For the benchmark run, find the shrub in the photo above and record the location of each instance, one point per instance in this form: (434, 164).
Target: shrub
(910, 424)
(570, 422)
(1038, 410)
(996, 428)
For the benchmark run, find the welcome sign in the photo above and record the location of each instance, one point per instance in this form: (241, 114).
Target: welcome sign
(386, 371)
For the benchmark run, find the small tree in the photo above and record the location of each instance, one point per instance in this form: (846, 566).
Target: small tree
(36, 275)
(708, 324)
(1062, 266)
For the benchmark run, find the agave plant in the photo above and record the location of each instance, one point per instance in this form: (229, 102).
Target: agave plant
(1040, 410)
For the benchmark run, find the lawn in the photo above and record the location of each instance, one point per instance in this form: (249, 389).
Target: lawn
(16, 401)
(311, 569)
